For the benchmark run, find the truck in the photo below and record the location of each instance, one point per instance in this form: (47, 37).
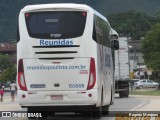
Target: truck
(122, 68)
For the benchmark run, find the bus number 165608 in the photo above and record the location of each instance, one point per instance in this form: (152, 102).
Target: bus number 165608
(76, 85)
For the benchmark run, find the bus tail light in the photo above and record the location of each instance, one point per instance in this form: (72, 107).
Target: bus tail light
(21, 77)
(92, 74)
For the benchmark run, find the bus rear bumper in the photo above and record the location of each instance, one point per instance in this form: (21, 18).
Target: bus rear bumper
(64, 98)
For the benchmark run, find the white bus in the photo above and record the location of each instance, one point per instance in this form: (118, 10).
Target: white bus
(64, 59)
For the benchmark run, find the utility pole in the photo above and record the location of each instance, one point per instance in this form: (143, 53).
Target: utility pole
(119, 69)
(135, 57)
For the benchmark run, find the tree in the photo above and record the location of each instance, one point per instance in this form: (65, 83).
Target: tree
(4, 62)
(9, 74)
(7, 69)
(157, 14)
(131, 23)
(151, 48)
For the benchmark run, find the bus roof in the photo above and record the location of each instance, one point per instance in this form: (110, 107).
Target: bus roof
(63, 6)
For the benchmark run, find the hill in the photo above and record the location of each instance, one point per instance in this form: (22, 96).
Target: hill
(10, 10)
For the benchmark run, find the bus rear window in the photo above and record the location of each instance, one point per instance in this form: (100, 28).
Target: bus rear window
(56, 24)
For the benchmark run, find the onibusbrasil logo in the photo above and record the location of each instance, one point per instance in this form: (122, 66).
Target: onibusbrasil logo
(20, 114)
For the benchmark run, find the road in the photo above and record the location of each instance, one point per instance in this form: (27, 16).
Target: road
(121, 104)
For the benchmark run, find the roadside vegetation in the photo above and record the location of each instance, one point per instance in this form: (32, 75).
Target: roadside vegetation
(146, 92)
(151, 48)
(132, 23)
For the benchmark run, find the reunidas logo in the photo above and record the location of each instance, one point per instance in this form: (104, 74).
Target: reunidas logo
(55, 42)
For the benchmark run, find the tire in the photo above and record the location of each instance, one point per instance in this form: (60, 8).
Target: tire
(140, 87)
(156, 86)
(97, 113)
(112, 99)
(105, 110)
(124, 94)
(120, 94)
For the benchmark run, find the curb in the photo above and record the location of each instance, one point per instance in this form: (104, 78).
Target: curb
(144, 96)
(142, 104)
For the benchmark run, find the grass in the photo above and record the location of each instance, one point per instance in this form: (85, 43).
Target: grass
(146, 92)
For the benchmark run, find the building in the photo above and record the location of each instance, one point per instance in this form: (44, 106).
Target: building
(9, 49)
(136, 56)
(135, 52)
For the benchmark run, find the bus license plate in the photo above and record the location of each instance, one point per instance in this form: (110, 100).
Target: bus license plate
(56, 97)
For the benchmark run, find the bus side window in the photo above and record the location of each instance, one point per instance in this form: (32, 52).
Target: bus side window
(101, 31)
(94, 35)
(106, 30)
(18, 36)
(97, 31)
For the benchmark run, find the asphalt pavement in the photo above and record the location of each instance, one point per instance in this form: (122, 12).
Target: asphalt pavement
(133, 103)
(151, 103)
(7, 104)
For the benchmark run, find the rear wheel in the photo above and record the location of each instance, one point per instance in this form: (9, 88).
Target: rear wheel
(97, 113)
(120, 94)
(124, 94)
(105, 110)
